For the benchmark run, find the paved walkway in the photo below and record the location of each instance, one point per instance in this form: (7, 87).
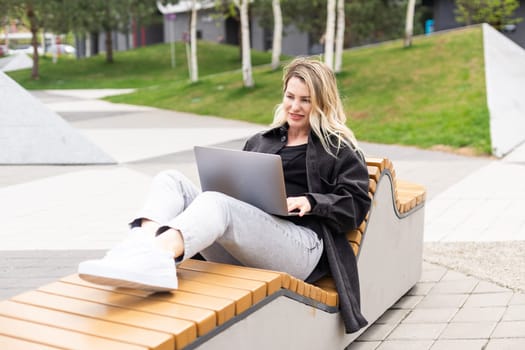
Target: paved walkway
(470, 295)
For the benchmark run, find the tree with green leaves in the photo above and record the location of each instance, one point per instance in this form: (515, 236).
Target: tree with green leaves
(497, 13)
(36, 15)
(108, 16)
(366, 21)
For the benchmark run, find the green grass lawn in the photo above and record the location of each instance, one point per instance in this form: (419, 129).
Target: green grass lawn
(430, 94)
(143, 67)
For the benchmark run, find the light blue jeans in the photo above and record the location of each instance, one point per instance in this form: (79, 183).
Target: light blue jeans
(224, 229)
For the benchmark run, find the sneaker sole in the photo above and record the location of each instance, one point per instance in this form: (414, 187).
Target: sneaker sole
(120, 283)
(118, 278)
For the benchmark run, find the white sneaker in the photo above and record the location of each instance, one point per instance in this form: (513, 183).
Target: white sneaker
(135, 263)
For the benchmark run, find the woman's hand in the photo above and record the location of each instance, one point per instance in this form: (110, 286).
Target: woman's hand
(302, 204)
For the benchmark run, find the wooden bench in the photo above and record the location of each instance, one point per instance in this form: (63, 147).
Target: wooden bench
(232, 307)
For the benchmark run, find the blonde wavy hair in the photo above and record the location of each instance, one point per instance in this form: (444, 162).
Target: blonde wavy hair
(327, 118)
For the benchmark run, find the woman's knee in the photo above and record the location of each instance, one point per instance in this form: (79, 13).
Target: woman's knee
(169, 176)
(214, 198)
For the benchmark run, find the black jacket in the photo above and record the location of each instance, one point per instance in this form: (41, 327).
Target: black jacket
(339, 188)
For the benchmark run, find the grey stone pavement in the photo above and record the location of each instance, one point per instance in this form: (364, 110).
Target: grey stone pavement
(471, 292)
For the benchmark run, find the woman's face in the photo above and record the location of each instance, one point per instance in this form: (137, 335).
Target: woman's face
(297, 104)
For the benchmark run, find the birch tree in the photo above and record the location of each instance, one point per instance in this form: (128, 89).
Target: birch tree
(277, 34)
(409, 25)
(247, 77)
(194, 74)
(340, 37)
(193, 6)
(329, 34)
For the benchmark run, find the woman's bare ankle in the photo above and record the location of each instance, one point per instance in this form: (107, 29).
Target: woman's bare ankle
(150, 226)
(172, 241)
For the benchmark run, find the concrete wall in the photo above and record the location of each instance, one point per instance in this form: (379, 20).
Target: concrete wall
(505, 82)
(30, 133)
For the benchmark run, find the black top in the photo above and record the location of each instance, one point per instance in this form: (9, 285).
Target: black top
(294, 168)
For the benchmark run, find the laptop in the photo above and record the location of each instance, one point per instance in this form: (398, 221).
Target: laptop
(252, 177)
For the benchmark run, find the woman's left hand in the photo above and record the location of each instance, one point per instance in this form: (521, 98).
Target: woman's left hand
(302, 204)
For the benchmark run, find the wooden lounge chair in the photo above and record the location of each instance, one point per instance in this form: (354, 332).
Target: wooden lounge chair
(221, 306)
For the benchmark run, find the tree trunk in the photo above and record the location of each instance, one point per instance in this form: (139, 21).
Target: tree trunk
(109, 46)
(109, 38)
(409, 26)
(194, 74)
(277, 34)
(340, 38)
(329, 35)
(246, 53)
(34, 39)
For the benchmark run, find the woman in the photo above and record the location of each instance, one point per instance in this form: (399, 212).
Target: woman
(325, 176)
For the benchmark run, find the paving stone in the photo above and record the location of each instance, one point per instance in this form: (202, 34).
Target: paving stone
(417, 331)
(459, 344)
(488, 299)
(394, 316)
(514, 313)
(434, 301)
(506, 344)
(517, 299)
(407, 302)
(460, 286)
(442, 315)
(489, 287)
(509, 329)
(454, 276)
(479, 314)
(363, 345)
(377, 332)
(405, 345)
(433, 275)
(468, 330)
(421, 288)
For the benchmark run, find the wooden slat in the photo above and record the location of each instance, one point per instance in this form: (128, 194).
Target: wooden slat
(257, 289)
(326, 283)
(285, 279)
(377, 162)
(241, 298)
(88, 325)
(273, 280)
(57, 337)
(332, 298)
(19, 344)
(355, 247)
(293, 284)
(354, 236)
(205, 319)
(372, 186)
(300, 287)
(224, 308)
(183, 331)
(374, 173)
(388, 164)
